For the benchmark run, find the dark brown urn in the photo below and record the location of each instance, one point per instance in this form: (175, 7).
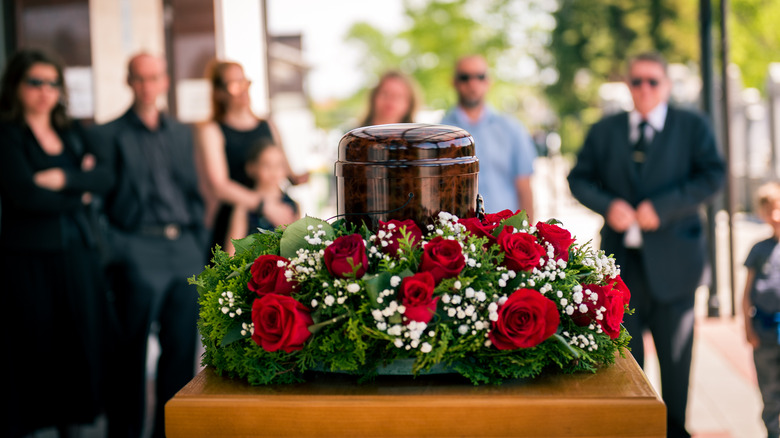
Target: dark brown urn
(406, 171)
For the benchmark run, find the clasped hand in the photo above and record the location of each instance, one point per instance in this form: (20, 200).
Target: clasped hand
(621, 215)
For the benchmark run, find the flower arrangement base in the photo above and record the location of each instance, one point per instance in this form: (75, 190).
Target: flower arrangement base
(403, 367)
(616, 401)
(399, 367)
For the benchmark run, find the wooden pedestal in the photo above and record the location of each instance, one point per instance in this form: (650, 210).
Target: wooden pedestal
(615, 402)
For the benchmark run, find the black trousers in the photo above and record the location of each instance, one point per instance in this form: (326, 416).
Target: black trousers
(149, 282)
(671, 326)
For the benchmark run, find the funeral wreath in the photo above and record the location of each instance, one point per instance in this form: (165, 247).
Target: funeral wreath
(489, 298)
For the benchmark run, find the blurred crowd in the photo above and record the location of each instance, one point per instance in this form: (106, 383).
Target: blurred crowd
(101, 226)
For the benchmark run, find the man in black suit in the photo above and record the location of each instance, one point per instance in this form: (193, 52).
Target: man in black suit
(156, 237)
(647, 172)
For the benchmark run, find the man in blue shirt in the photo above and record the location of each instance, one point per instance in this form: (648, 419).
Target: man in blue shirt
(504, 148)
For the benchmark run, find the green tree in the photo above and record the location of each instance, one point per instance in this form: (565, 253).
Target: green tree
(441, 31)
(592, 41)
(754, 38)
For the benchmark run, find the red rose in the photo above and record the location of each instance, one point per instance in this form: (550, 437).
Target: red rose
(612, 301)
(479, 229)
(347, 255)
(443, 258)
(485, 228)
(558, 237)
(393, 230)
(495, 219)
(522, 251)
(525, 320)
(416, 294)
(281, 323)
(268, 276)
(618, 284)
(607, 310)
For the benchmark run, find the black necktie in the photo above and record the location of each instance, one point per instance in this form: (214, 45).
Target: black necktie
(640, 147)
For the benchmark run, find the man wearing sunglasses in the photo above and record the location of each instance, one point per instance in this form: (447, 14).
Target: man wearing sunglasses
(503, 146)
(648, 172)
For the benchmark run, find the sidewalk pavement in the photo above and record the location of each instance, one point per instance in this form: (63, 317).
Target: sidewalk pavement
(724, 400)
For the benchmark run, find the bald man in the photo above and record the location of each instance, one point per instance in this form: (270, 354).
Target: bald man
(503, 146)
(155, 237)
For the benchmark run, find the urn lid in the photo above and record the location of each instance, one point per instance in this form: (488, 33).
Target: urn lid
(405, 142)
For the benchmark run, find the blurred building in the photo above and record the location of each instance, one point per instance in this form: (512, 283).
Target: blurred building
(95, 39)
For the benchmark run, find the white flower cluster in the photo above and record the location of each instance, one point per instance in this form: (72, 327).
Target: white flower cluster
(344, 288)
(308, 262)
(247, 328)
(468, 254)
(468, 309)
(383, 239)
(585, 342)
(407, 336)
(549, 271)
(603, 266)
(315, 237)
(448, 223)
(373, 250)
(228, 303)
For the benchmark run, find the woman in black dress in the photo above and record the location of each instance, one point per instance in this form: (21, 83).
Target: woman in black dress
(51, 278)
(223, 144)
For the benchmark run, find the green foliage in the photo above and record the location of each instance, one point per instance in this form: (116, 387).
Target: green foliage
(437, 34)
(349, 336)
(586, 45)
(592, 42)
(754, 36)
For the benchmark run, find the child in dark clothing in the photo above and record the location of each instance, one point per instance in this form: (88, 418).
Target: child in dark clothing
(761, 307)
(266, 165)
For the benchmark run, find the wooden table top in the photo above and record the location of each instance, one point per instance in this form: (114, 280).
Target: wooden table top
(616, 401)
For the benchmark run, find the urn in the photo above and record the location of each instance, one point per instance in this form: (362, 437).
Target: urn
(406, 171)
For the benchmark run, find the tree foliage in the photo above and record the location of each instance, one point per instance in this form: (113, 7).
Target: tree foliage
(754, 38)
(441, 31)
(550, 53)
(592, 41)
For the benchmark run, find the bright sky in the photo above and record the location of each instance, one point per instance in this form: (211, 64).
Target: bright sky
(323, 24)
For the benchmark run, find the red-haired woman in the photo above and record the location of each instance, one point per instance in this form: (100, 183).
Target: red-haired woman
(223, 144)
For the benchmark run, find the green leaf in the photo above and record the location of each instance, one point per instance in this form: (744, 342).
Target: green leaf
(517, 220)
(294, 235)
(376, 284)
(233, 335)
(574, 353)
(379, 282)
(243, 245)
(239, 271)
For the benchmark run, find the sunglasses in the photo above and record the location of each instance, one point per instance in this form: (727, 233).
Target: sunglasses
(465, 77)
(38, 83)
(637, 82)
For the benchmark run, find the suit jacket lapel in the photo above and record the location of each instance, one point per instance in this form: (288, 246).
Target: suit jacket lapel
(625, 149)
(660, 149)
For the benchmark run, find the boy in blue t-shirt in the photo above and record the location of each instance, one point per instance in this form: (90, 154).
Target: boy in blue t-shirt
(761, 305)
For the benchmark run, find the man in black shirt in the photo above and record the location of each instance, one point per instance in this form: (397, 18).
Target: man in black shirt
(156, 237)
